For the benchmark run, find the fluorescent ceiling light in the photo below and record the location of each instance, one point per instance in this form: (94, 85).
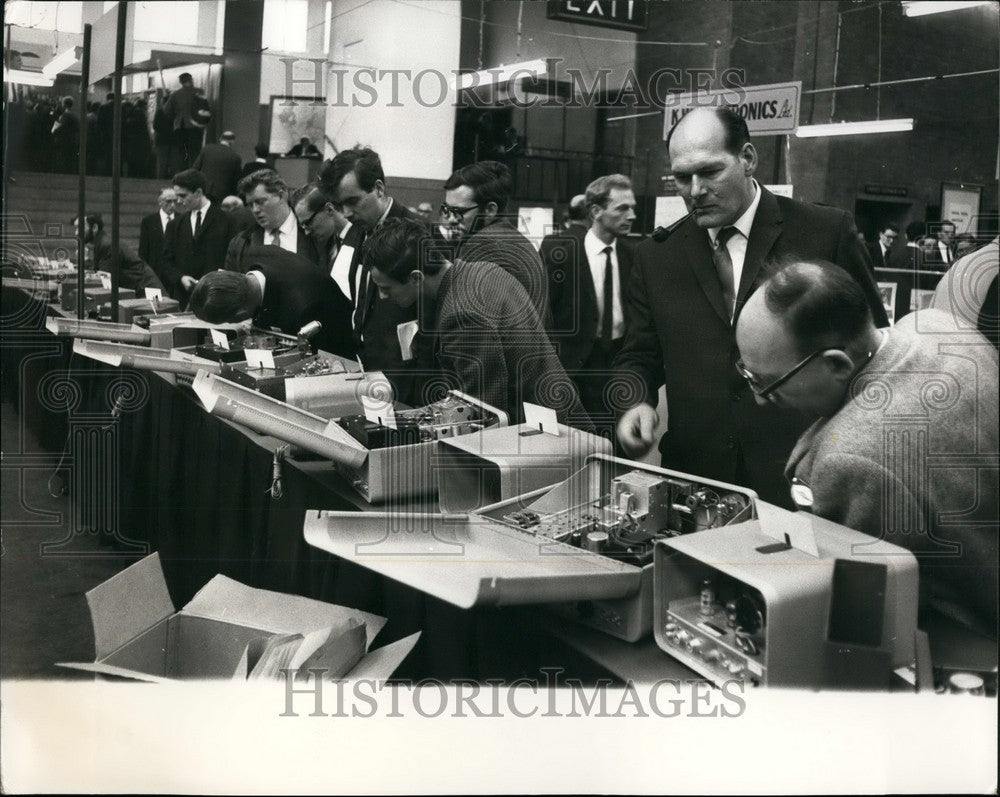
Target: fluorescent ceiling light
(26, 78)
(499, 74)
(61, 62)
(855, 128)
(919, 8)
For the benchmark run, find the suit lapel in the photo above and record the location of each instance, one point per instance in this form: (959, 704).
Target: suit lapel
(698, 253)
(765, 231)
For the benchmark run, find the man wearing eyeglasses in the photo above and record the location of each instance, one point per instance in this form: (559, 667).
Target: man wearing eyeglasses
(475, 199)
(905, 446)
(687, 287)
(266, 195)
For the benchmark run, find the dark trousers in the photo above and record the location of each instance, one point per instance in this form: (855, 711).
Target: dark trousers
(188, 141)
(597, 391)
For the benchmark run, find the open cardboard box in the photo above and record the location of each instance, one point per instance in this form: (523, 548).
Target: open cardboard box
(139, 635)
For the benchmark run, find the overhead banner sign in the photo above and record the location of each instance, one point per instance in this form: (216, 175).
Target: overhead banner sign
(770, 110)
(621, 14)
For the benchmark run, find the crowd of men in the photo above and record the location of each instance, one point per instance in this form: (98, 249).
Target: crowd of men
(758, 314)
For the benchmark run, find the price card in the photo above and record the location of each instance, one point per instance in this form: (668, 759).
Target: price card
(219, 339)
(541, 418)
(105, 281)
(260, 358)
(154, 293)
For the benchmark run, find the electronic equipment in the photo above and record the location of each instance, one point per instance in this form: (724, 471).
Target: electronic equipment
(736, 603)
(165, 361)
(584, 545)
(94, 298)
(131, 309)
(496, 464)
(69, 286)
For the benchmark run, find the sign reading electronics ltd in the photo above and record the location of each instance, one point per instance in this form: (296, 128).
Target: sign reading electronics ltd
(771, 110)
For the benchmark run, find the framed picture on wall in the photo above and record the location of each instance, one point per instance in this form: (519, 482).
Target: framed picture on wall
(293, 118)
(960, 204)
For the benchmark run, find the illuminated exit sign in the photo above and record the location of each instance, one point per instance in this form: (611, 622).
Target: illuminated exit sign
(622, 14)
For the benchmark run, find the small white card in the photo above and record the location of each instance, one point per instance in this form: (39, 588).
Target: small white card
(219, 339)
(153, 293)
(105, 281)
(379, 411)
(541, 418)
(260, 358)
(406, 332)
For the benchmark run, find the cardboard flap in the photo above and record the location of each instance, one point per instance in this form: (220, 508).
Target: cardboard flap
(379, 665)
(468, 561)
(232, 602)
(202, 386)
(127, 604)
(102, 352)
(110, 669)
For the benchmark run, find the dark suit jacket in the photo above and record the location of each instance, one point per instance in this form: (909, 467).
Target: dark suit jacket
(236, 255)
(221, 167)
(151, 241)
(180, 107)
(487, 340)
(183, 254)
(376, 320)
(133, 272)
(877, 258)
(295, 294)
(573, 295)
(499, 242)
(680, 335)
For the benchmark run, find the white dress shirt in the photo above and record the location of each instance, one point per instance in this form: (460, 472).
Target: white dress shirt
(737, 244)
(194, 215)
(288, 234)
(596, 257)
(166, 218)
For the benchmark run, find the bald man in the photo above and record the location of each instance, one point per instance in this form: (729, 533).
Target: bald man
(905, 446)
(687, 288)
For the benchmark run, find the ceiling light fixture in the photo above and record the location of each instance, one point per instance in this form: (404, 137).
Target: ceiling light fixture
(920, 8)
(855, 128)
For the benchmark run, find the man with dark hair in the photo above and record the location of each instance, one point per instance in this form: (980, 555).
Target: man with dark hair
(304, 149)
(221, 167)
(259, 162)
(879, 251)
(354, 179)
(188, 132)
(943, 253)
(153, 227)
(280, 291)
(807, 342)
(267, 196)
(66, 137)
(586, 276)
(322, 220)
(133, 272)
(482, 331)
(195, 242)
(475, 200)
(576, 213)
(688, 286)
(910, 255)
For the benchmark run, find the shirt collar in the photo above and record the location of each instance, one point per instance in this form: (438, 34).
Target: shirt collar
(745, 222)
(384, 215)
(290, 226)
(343, 232)
(261, 280)
(594, 245)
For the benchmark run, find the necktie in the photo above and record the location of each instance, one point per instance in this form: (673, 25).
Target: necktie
(724, 267)
(197, 222)
(607, 317)
(276, 238)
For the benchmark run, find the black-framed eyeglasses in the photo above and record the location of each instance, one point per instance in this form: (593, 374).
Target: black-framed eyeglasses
(767, 391)
(307, 223)
(450, 211)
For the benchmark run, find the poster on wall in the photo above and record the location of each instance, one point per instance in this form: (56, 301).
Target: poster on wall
(960, 204)
(293, 118)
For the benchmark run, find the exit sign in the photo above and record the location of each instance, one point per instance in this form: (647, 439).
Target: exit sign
(622, 14)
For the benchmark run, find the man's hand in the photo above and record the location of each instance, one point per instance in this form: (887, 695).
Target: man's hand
(635, 429)
(188, 282)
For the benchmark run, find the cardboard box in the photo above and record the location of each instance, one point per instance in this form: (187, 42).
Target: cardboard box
(138, 634)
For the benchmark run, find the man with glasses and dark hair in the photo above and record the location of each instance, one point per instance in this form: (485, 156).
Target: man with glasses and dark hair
(688, 286)
(475, 202)
(266, 195)
(355, 180)
(901, 412)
